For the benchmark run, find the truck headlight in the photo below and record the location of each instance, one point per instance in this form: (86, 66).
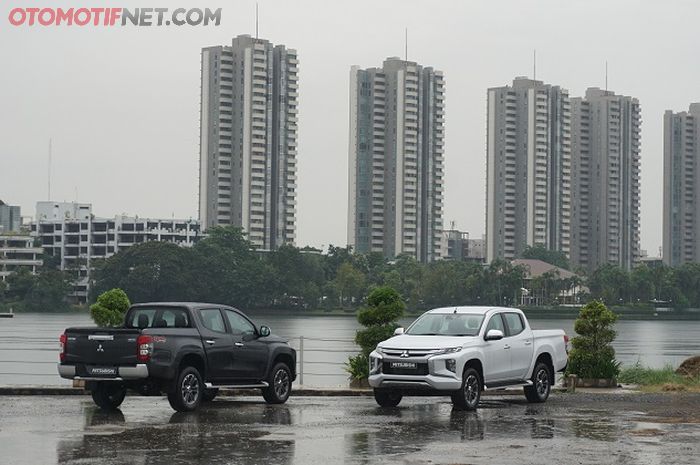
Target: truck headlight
(450, 350)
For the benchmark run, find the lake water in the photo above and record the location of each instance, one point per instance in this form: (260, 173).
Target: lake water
(29, 344)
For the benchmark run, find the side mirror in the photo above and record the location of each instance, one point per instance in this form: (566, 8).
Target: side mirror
(398, 331)
(264, 331)
(494, 335)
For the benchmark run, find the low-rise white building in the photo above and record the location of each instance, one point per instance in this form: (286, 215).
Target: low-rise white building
(17, 252)
(72, 234)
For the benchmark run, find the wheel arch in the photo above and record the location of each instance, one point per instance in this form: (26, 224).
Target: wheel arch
(283, 356)
(195, 360)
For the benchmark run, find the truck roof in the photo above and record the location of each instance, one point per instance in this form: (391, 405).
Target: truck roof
(473, 309)
(179, 304)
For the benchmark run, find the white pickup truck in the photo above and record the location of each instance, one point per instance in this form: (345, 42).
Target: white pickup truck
(459, 351)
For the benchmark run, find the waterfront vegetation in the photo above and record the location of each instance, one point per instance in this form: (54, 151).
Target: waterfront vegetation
(224, 268)
(663, 379)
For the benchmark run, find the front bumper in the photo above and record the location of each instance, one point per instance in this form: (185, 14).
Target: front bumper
(124, 373)
(439, 378)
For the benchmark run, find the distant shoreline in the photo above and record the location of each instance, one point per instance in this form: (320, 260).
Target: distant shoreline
(538, 313)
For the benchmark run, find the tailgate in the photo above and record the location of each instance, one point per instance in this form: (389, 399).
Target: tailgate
(101, 346)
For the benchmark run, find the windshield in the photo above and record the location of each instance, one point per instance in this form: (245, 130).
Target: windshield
(446, 324)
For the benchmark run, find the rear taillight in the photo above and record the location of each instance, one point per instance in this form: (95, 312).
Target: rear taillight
(144, 346)
(62, 354)
(566, 343)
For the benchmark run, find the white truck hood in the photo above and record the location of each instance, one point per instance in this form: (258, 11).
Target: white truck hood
(407, 341)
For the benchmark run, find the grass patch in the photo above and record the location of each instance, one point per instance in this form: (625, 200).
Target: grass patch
(664, 379)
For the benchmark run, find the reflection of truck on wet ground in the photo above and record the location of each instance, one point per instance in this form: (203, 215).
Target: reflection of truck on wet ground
(459, 351)
(186, 350)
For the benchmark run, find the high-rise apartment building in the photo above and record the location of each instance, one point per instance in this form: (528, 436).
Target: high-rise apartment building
(528, 178)
(606, 153)
(248, 140)
(681, 242)
(10, 218)
(396, 159)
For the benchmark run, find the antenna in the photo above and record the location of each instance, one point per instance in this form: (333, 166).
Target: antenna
(49, 173)
(406, 44)
(256, 20)
(606, 75)
(534, 65)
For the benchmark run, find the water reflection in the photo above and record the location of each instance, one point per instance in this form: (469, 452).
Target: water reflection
(212, 434)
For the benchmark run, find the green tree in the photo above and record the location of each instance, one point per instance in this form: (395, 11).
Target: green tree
(444, 283)
(19, 284)
(592, 355)
(110, 308)
(540, 252)
(350, 283)
(230, 272)
(297, 275)
(153, 271)
(48, 293)
(642, 288)
(611, 284)
(384, 308)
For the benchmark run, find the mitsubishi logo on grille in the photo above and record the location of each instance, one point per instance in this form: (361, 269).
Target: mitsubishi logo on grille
(100, 348)
(404, 354)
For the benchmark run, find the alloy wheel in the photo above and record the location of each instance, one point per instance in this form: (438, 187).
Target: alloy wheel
(190, 389)
(281, 383)
(542, 382)
(471, 389)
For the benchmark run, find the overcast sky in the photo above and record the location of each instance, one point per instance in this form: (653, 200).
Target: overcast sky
(122, 104)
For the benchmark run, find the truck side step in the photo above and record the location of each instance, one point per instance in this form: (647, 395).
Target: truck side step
(262, 384)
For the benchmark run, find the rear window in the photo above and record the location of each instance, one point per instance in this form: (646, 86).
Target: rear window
(163, 317)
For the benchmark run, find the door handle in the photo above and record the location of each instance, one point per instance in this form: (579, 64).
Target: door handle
(527, 343)
(238, 344)
(506, 346)
(211, 342)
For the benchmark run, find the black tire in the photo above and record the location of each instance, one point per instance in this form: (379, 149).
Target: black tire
(280, 385)
(209, 394)
(188, 391)
(541, 384)
(467, 398)
(387, 398)
(108, 396)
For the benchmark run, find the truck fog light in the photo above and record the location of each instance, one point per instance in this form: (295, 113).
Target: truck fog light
(451, 365)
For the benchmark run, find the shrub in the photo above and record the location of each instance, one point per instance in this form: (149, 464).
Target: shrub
(379, 319)
(592, 355)
(110, 308)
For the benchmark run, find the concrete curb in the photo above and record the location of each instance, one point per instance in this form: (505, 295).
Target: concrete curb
(300, 391)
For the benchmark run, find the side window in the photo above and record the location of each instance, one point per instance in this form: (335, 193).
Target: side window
(496, 322)
(212, 320)
(176, 318)
(515, 324)
(238, 324)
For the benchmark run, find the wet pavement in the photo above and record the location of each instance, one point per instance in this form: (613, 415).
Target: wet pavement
(570, 428)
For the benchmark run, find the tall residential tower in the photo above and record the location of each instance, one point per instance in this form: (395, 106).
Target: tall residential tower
(528, 174)
(681, 242)
(248, 140)
(396, 160)
(606, 131)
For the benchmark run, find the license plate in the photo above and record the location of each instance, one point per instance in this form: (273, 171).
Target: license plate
(404, 365)
(102, 371)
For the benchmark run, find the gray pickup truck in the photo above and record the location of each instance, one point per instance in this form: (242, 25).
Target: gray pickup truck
(185, 350)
